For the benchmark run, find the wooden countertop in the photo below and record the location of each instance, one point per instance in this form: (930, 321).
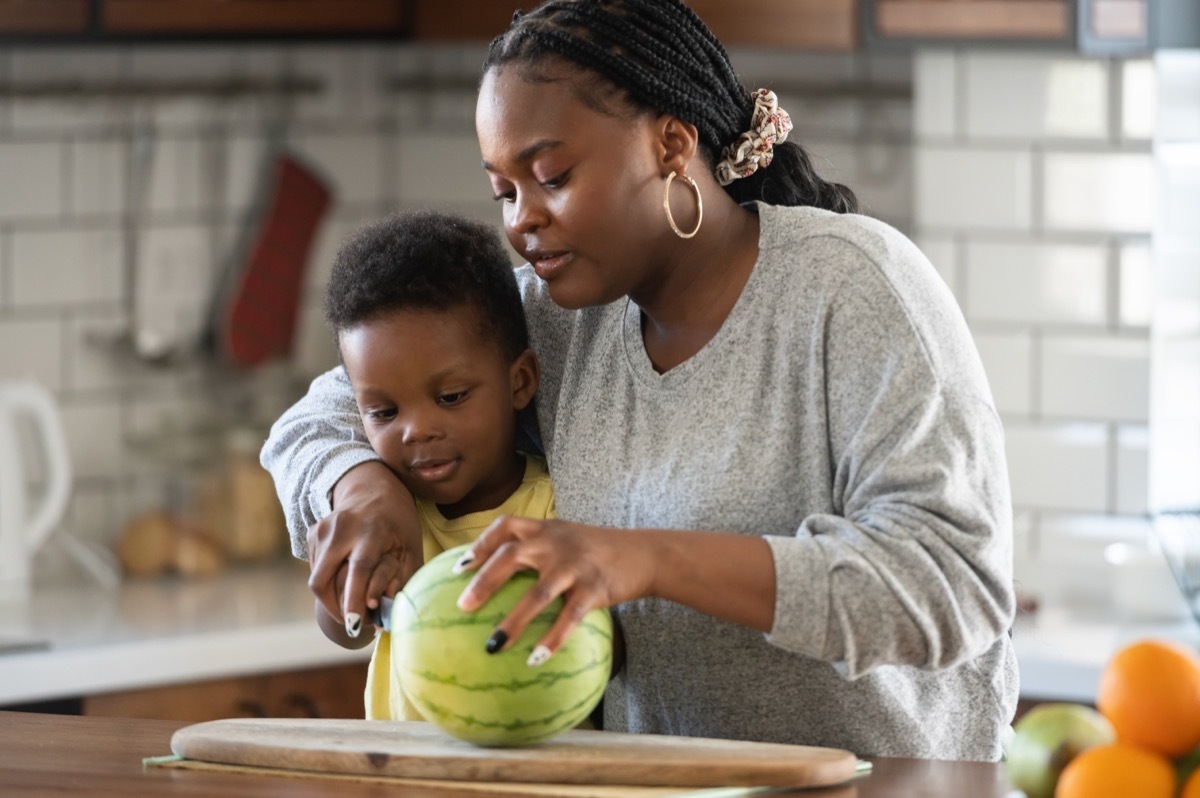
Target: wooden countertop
(102, 757)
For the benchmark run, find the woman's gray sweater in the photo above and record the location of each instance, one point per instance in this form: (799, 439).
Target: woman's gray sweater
(841, 413)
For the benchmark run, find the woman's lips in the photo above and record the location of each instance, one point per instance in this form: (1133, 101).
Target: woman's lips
(548, 265)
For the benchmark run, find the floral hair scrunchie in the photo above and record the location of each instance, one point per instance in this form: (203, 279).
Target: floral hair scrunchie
(752, 150)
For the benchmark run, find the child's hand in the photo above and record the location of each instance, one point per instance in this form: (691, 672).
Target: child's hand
(369, 546)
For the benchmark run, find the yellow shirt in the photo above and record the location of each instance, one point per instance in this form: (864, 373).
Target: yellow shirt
(534, 498)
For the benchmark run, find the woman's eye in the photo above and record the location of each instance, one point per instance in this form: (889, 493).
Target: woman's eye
(557, 181)
(452, 398)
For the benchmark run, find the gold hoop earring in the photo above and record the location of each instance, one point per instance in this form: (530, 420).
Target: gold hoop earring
(667, 204)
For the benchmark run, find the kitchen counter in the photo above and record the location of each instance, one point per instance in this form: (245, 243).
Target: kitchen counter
(1062, 650)
(102, 757)
(73, 642)
(69, 642)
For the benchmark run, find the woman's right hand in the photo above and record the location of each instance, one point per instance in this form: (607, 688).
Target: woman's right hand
(372, 539)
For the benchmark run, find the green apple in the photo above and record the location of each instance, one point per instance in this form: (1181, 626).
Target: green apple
(1186, 765)
(1046, 738)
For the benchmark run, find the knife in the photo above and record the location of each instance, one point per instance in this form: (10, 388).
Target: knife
(381, 616)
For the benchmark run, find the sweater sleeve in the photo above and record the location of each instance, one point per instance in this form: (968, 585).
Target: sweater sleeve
(914, 564)
(310, 447)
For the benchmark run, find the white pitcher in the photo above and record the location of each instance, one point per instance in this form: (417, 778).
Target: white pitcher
(26, 521)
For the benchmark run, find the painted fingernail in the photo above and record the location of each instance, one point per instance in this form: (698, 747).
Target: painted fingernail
(353, 624)
(497, 641)
(539, 656)
(463, 563)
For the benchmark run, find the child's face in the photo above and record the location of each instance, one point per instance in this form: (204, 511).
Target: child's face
(437, 401)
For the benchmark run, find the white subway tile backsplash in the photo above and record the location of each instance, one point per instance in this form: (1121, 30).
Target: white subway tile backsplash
(1135, 299)
(64, 267)
(1031, 96)
(1058, 466)
(974, 188)
(352, 163)
(1101, 192)
(203, 68)
(1025, 551)
(174, 277)
(1176, 379)
(942, 252)
(1174, 464)
(935, 91)
(246, 173)
(1177, 298)
(454, 175)
(325, 247)
(1036, 283)
(93, 431)
(1178, 74)
(1133, 470)
(1178, 166)
(879, 173)
(314, 350)
(336, 70)
(1007, 359)
(93, 359)
(33, 180)
(97, 170)
(32, 349)
(177, 177)
(1095, 378)
(32, 67)
(1139, 99)
(1072, 562)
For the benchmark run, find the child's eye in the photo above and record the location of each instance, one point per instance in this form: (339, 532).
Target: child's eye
(452, 398)
(381, 413)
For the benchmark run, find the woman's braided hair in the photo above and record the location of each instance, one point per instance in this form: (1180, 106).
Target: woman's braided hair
(664, 59)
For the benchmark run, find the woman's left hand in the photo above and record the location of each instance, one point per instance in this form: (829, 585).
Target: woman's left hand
(587, 566)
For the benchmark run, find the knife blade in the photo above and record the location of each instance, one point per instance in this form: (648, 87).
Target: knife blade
(381, 616)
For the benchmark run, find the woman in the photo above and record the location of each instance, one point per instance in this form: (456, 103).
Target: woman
(774, 448)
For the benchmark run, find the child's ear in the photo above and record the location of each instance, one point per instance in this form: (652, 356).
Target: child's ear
(524, 374)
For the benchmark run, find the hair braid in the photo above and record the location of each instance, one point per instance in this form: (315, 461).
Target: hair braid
(664, 59)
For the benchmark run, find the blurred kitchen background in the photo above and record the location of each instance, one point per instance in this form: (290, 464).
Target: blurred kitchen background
(1046, 157)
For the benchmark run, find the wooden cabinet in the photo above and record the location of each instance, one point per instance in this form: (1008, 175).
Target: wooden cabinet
(971, 20)
(333, 692)
(799, 24)
(830, 25)
(248, 17)
(472, 20)
(44, 17)
(118, 20)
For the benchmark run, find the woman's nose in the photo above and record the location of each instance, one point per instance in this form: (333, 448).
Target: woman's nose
(526, 215)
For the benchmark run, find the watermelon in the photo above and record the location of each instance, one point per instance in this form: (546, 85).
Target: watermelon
(439, 654)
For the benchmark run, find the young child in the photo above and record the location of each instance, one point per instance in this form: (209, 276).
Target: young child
(431, 332)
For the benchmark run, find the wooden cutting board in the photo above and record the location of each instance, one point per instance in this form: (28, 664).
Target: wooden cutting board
(412, 749)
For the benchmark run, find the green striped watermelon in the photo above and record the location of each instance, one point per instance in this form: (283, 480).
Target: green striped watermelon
(439, 655)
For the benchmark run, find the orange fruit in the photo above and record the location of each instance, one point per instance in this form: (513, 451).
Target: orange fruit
(1117, 770)
(1191, 787)
(1150, 693)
